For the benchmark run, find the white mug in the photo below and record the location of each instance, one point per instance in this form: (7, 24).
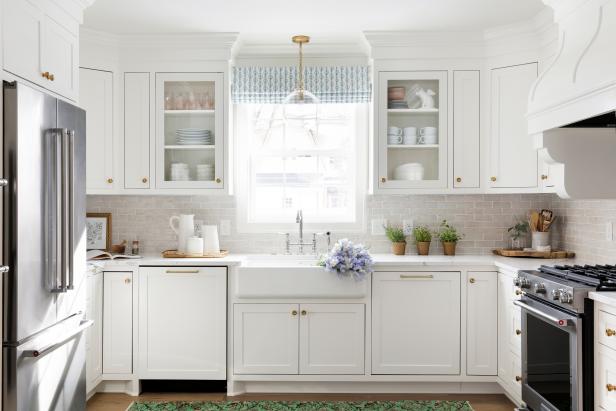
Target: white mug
(184, 227)
(428, 135)
(194, 246)
(210, 239)
(394, 130)
(410, 135)
(394, 139)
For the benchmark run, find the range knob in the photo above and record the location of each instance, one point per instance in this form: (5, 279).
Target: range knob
(565, 297)
(555, 294)
(539, 288)
(522, 282)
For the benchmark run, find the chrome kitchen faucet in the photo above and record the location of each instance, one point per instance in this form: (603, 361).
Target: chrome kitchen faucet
(299, 219)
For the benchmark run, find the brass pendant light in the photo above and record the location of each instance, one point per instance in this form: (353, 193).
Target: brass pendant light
(301, 95)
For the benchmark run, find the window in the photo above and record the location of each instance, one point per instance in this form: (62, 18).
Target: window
(308, 157)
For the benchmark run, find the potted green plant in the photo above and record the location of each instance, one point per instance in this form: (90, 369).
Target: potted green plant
(516, 233)
(397, 238)
(423, 237)
(449, 237)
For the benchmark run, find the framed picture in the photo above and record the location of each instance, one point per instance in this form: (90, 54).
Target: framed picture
(98, 227)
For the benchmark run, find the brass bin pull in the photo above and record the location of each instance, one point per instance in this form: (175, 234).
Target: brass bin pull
(182, 271)
(415, 277)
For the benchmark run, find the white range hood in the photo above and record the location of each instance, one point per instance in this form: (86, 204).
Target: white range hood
(580, 83)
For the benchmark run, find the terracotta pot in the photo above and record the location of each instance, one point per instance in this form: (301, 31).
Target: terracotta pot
(449, 248)
(423, 247)
(398, 248)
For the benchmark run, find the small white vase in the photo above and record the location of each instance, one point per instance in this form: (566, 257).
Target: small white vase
(211, 244)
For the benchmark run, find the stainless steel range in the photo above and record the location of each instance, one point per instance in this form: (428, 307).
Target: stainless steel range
(557, 333)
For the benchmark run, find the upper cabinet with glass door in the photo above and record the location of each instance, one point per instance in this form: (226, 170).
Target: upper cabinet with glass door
(411, 130)
(189, 130)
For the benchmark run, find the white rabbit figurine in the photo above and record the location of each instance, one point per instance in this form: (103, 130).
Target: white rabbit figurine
(427, 97)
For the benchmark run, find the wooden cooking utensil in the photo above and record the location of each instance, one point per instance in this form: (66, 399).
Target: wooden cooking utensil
(534, 221)
(546, 219)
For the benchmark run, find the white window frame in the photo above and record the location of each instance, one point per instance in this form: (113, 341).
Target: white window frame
(242, 185)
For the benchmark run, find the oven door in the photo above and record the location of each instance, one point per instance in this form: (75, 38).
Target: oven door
(551, 357)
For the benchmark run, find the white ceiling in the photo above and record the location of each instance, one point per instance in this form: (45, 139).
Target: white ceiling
(274, 21)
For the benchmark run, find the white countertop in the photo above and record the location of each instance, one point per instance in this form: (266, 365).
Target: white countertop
(380, 260)
(605, 297)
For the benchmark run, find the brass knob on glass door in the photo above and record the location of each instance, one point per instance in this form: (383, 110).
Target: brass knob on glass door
(45, 74)
(218, 180)
(458, 179)
(609, 332)
(144, 180)
(472, 281)
(492, 179)
(610, 387)
(110, 180)
(544, 177)
(294, 312)
(518, 332)
(518, 378)
(304, 312)
(383, 179)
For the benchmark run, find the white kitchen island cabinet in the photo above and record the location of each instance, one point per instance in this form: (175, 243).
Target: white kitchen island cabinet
(481, 323)
(416, 323)
(182, 323)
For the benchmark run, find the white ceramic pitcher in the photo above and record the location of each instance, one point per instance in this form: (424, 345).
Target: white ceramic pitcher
(184, 227)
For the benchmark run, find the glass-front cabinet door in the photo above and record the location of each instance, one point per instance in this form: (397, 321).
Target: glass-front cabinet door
(412, 130)
(189, 130)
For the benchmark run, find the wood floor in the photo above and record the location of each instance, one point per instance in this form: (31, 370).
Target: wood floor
(119, 402)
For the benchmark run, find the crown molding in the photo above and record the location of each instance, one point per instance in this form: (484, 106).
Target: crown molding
(325, 47)
(173, 40)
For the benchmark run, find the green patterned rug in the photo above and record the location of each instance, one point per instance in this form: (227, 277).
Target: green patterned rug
(303, 406)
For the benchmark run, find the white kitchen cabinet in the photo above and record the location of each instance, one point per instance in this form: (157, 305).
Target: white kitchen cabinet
(481, 323)
(42, 46)
(509, 337)
(513, 156)
(430, 153)
(94, 334)
(117, 322)
(96, 98)
(265, 338)
(182, 323)
(605, 374)
(466, 129)
(416, 323)
(136, 130)
(331, 339)
(187, 106)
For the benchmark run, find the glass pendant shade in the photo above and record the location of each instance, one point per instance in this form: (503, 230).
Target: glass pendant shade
(301, 95)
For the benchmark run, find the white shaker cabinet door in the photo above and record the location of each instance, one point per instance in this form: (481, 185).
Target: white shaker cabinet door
(265, 338)
(117, 322)
(182, 323)
(466, 127)
(96, 98)
(513, 157)
(331, 339)
(22, 30)
(136, 130)
(481, 323)
(94, 334)
(416, 323)
(60, 57)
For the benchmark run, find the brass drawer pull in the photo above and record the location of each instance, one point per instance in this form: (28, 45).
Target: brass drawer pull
(415, 277)
(182, 271)
(609, 332)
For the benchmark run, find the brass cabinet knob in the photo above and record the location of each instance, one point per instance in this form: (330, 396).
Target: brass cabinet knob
(218, 180)
(294, 313)
(471, 280)
(609, 332)
(45, 74)
(610, 387)
(110, 180)
(51, 77)
(544, 177)
(127, 281)
(383, 179)
(492, 179)
(518, 378)
(144, 180)
(458, 179)
(304, 312)
(518, 332)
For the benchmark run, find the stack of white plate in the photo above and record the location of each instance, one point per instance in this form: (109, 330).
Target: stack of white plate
(205, 172)
(409, 171)
(194, 136)
(180, 172)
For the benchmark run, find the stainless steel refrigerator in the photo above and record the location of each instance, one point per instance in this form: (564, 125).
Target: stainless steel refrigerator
(43, 251)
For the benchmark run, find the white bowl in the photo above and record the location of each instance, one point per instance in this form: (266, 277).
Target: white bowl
(409, 172)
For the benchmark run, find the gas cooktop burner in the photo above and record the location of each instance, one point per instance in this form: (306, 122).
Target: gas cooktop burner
(601, 276)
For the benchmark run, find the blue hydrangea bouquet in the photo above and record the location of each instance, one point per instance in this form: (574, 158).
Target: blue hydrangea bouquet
(348, 260)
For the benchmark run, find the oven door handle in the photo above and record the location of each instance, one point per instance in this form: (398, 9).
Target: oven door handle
(561, 322)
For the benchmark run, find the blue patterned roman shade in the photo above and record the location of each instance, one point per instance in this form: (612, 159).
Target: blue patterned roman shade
(344, 84)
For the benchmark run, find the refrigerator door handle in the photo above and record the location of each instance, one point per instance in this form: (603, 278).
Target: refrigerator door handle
(70, 208)
(60, 267)
(66, 338)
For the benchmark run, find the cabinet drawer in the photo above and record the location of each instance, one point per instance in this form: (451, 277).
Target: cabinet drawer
(606, 329)
(515, 333)
(605, 376)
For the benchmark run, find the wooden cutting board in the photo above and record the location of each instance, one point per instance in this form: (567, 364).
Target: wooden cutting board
(533, 254)
(176, 254)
